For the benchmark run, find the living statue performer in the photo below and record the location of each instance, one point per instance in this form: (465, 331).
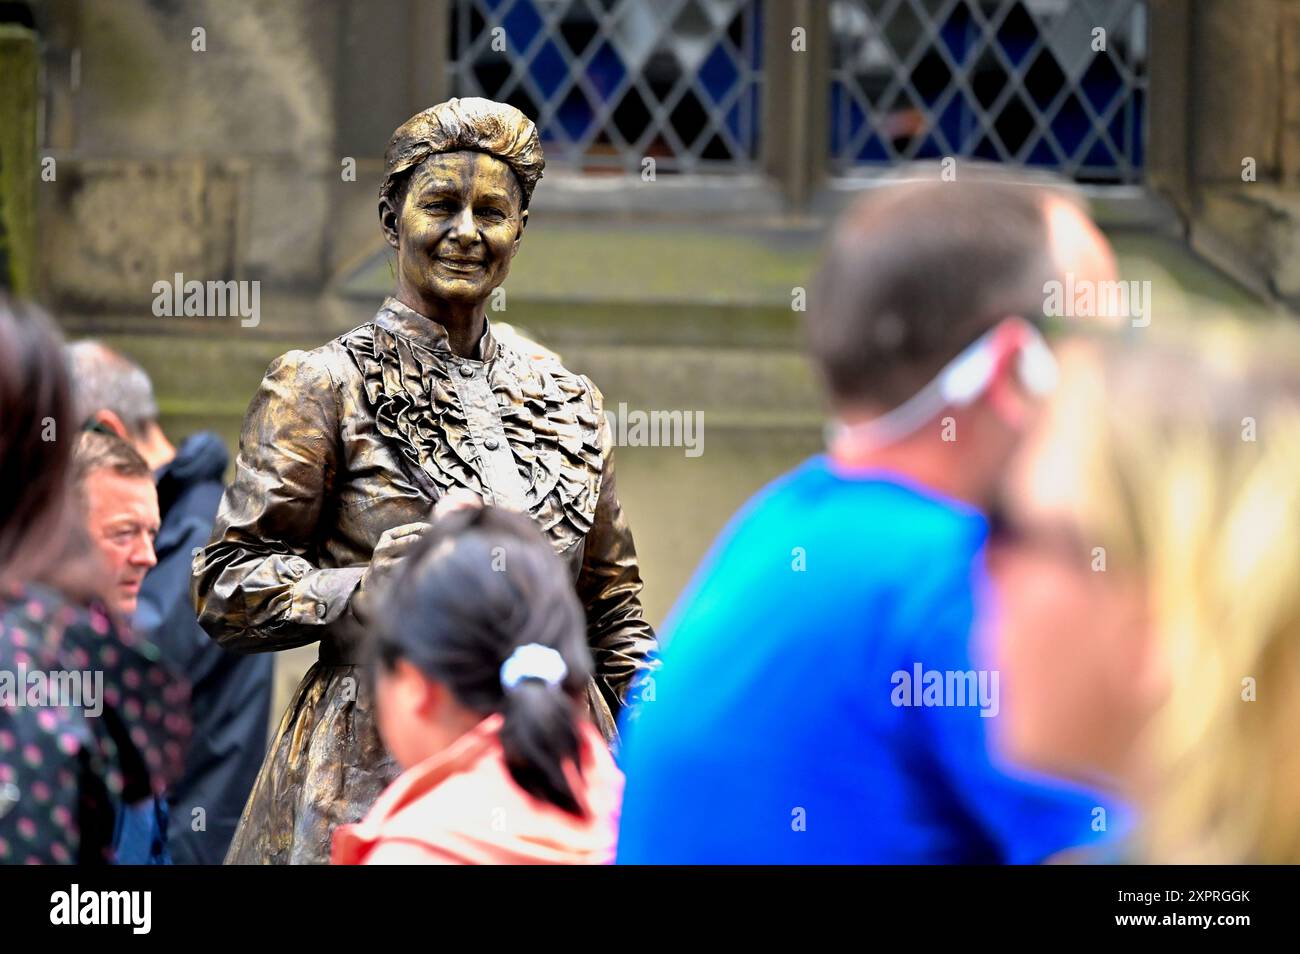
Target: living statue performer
(345, 450)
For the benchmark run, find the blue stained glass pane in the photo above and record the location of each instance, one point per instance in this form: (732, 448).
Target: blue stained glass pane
(837, 134)
(1016, 49)
(1101, 83)
(574, 114)
(718, 73)
(548, 69)
(1119, 125)
(857, 117)
(989, 44)
(986, 150)
(1017, 34)
(1070, 125)
(874, 151)
(959, 35)
(1100, 156)
(521, 23)
(955, 120)
(732, 122)
(1131, 117)
(606, 71)
(1041, 155)
(930, 149)
(576, 68)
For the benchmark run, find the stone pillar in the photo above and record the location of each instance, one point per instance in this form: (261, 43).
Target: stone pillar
(1225, 133)
(1236, 88)
(1169, 119)
(795, 96)
(18, 162)
(1289, 151)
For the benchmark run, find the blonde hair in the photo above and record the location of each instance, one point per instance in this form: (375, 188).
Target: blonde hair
(1193, 480)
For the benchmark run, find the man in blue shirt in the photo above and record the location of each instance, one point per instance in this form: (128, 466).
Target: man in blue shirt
(823, 698)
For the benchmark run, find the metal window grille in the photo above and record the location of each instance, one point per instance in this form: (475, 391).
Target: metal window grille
(609, 82)
(1012, 81)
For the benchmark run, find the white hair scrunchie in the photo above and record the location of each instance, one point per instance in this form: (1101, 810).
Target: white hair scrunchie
(533, 661)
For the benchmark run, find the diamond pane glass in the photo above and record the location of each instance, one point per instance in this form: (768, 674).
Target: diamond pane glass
(609, 82)
(1053, 84)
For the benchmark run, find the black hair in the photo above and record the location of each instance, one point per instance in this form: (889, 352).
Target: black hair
(481, 583)
(37, 434)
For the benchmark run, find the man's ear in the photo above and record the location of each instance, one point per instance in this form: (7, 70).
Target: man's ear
(388, 221)
(1006, 393)
(114, 423)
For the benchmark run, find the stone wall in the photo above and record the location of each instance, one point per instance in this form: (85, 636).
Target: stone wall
(217, 154)
(18, 109)
(234, 152)
(1225, 133)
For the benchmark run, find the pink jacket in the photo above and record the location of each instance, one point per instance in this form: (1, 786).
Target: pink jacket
(461, 806)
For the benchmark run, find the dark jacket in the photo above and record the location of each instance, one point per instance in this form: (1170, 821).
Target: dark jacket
(231, 693)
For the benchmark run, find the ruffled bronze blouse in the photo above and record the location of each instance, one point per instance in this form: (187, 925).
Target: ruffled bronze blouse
(362, 435)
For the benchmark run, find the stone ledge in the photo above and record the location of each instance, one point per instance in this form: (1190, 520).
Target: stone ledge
(196, 375)
(1252, 232)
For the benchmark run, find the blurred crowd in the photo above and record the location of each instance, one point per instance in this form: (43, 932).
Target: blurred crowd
(1038, 600)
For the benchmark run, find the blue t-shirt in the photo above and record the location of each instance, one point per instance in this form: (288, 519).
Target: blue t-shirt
(790, 724)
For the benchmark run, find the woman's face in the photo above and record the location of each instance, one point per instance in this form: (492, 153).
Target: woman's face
(459, 227)
(400, 701)
(417, 717)
(1071, 639)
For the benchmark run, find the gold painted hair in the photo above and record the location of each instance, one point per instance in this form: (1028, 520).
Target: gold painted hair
(472, 124)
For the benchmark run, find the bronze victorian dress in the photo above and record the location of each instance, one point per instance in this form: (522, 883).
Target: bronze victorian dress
(356, 437)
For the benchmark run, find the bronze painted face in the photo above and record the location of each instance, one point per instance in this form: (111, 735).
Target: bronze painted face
(459, 226)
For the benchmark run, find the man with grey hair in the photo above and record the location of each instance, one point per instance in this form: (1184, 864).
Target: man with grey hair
(231, 693)
(113, 394)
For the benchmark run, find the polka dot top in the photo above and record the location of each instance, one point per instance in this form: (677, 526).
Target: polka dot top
(89, 718)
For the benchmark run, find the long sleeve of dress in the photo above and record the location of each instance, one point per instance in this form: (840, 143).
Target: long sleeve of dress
(255, 585)
(623, 644)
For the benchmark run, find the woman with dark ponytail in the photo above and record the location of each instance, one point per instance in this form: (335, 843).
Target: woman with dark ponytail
(480, 661)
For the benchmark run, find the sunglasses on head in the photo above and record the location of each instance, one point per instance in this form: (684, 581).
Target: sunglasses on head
(961, 382)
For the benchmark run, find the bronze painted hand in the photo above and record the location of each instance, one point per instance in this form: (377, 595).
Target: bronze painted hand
(393, 545)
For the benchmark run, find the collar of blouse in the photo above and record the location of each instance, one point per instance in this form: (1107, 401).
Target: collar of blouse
(398, 319)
